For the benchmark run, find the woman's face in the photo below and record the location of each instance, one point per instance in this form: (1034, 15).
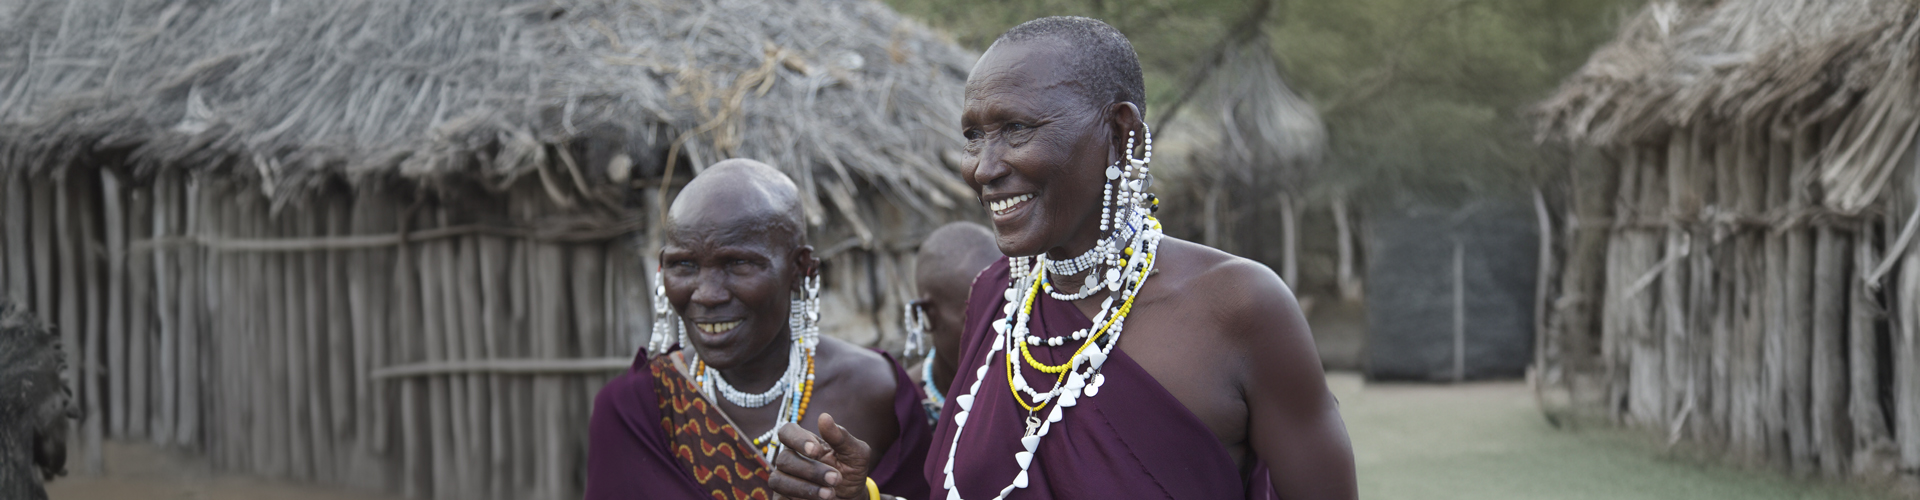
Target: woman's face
(1036, 150)
(731, 287)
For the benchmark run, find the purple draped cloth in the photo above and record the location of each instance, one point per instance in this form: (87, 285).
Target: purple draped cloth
(1133, 440)
(629, 456)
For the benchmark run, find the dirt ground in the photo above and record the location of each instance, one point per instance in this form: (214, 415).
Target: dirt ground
(143, 471)
(1488, 441)
(1427, 442)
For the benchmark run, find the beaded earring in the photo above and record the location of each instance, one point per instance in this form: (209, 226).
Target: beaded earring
(667, 327)
(916, 319)
(803, 315)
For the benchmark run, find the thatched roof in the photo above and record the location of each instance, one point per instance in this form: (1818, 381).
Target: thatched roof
(1262, 125)
(845, 92)
(1765, 66)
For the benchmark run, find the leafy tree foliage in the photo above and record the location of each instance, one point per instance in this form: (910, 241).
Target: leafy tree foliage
(1422, 98)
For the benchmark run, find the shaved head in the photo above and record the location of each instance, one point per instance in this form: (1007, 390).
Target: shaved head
(742, 196)
(1104, 67)
(951, 257)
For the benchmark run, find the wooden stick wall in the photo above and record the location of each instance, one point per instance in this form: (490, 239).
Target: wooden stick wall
(462, 364)
(1735, 313)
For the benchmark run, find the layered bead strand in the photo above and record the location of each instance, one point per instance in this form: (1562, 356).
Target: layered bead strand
(1080, 376)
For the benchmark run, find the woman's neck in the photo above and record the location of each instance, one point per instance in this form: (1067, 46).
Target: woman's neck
(945, 366)
(763, 370)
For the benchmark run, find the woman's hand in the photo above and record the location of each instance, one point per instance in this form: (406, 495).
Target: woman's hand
(829, 466)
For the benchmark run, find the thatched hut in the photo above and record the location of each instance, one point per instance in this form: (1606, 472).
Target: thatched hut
(399, 245)
(1737, 266)
(1241, 154)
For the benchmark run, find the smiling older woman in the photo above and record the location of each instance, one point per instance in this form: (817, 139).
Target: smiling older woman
(1214, 391)
(682, 423)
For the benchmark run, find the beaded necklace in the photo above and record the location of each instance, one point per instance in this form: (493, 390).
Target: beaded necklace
(795, 381)
(1080, 375)
(1127, 253)
(926, 380)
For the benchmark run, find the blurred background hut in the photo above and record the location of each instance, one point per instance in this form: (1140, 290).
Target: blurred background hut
(1735, 262)
(399, 246)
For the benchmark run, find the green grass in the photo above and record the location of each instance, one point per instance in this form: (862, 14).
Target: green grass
(1488, 441)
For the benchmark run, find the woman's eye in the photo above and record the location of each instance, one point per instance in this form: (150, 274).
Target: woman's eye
(973, 135)
(1017, 126)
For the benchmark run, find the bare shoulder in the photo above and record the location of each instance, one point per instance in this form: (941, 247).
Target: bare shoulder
(1245, 296)
(855, 371)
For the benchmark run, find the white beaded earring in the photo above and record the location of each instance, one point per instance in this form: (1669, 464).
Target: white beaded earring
(803, 315)
(667, 327)
(916, 319)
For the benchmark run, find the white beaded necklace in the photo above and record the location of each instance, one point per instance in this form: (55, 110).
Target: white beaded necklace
(1082, 377)
(795, 369)
(1128, 254)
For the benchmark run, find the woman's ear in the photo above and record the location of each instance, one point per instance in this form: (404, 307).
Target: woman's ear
(805, 264)
(1124, 117)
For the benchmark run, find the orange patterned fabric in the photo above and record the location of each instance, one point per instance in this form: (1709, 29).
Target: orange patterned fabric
(710, 449)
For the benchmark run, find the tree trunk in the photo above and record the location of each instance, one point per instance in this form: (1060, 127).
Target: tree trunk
(1343, 228)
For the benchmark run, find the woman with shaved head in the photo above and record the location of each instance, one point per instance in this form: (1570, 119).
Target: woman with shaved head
(736, 353)
(1103, 359)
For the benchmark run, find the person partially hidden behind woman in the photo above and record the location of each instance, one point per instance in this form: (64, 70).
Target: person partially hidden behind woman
(948, 262)
(743, 289)
(1103, 360)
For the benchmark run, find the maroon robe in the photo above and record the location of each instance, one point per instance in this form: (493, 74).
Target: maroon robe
(631, 455)
(1132, 440)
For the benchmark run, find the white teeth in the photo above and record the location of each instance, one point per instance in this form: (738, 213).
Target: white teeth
(1003, 205)
(717, 327)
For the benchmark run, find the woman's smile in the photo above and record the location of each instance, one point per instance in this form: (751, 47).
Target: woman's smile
(1005, 209)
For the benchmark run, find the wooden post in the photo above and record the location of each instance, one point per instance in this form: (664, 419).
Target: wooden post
(1459, 312)
(314, 337)
(165, 203)
(1906, 351)
(86, 210)
(19, 257)
(1542, 284)
(114, 213)
(1832, 432)
(519, 344)
(416, 454)
(1872, 444)
(495, 314)
(1906, 363)
(550, 338)
(141, 375)
(433, 315)
(193, 333)
(1797, 358)
(1646, 391)
(340, 403)
(465, 273)
(452, 334)
(1349, 285)
(1289, 243)
(47, 230)
(1681, 204)
(1618, 314)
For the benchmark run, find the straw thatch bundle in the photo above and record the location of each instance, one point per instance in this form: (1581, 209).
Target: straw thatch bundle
(1738, 269)
(34, 405)
(438, 91)
(392, 244)
(1773, 67)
